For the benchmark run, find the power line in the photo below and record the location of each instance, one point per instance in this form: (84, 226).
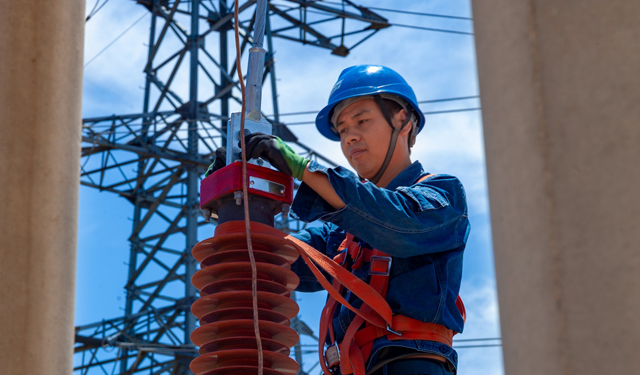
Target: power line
(432, 29)
(451, 111)
(124, 132)
(479, 339)
(94, 11)
(409, 12)
(425, 113)
(455, 341)
(477, 346)
(309, 112)
(420, 102)
(407, 26)
(449, 99)
(116, 39)
(422, 14)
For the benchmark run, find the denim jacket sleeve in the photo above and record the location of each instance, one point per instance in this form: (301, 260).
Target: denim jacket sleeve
(403, 220)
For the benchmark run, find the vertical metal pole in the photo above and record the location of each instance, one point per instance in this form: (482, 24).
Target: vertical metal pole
(255, 71)
(272, 73)
(192, 172)
(224, 70)
(137, 210)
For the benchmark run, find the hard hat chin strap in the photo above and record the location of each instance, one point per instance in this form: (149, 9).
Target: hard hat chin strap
(394, 135)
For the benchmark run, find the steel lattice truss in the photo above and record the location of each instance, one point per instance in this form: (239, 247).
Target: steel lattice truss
(155, 160)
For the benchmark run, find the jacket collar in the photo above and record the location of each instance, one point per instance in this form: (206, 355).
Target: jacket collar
(408, 176)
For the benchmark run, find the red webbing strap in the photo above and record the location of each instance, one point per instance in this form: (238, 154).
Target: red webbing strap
(461, 308)
(347, 348)
(348, 245)
(411, 330)
(423, 178)
(381, 314)
(352, 358)
(326, 325)
(357, 360)
(350, 354)
(380, 282)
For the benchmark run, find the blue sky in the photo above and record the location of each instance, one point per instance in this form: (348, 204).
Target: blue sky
(437, 65)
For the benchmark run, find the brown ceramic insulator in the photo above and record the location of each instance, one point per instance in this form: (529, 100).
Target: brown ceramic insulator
(235, 241)
(243, 343)
(244, 313)
(226, 335)
(226, 360)
(231, 285)
(244, 328)
(269, 301)
(229, 362)
(242, 255)
(242, 270)
(242, 370)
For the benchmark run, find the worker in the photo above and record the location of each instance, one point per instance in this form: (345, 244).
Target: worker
(391, 211)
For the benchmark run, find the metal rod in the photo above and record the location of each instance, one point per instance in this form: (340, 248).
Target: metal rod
(256, 64)
(193, 210)
(225, 79)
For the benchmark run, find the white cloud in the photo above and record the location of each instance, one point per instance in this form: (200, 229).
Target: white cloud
(481, 303)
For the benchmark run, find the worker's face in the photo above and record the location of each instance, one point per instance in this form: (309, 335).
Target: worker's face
(364, 136)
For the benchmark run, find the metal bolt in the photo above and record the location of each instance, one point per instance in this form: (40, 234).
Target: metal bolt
(237, 195)
(207, 215)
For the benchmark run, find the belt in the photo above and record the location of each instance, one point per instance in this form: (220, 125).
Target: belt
(413, 366)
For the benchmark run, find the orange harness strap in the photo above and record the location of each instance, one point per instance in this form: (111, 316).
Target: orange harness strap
(357, 343)
(352, 358)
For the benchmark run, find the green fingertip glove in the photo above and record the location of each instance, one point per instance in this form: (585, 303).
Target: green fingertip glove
(296, 163)
(219, 162)
(276, 152)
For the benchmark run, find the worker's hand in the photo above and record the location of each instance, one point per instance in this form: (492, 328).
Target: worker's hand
(219, 162)
(276, 152)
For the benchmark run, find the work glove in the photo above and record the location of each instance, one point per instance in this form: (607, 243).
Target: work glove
(276, 152)
(219, 162)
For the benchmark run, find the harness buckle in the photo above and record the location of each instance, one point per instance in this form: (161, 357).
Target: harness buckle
(380, 266)
(332, 357)
(397, 333)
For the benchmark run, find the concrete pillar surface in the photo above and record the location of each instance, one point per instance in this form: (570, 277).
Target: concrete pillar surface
(41, 44)
(560, 89)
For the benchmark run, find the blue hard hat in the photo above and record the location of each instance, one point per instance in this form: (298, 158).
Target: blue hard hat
(362, 80)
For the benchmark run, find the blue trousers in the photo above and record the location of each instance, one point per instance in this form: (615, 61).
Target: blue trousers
(413, 366)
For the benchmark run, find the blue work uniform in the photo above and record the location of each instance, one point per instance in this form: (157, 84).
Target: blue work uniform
(424, 228)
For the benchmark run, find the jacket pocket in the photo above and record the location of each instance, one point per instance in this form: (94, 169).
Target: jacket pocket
(425, 197)
(333, 242)
(424, 282)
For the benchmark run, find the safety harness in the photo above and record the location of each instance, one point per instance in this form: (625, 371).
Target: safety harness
(351, 355)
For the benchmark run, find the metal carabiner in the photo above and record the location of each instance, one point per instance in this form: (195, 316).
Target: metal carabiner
(332, 357)
(397, 333)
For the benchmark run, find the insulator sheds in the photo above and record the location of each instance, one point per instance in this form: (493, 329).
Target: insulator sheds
(226, 334)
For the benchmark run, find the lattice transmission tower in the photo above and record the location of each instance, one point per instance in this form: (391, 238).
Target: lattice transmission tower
(155, 160)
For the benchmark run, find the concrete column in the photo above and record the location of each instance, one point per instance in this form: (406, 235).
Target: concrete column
(41, 45)
(560, 89)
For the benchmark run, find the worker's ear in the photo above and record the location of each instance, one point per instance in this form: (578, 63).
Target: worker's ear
(400, 118)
